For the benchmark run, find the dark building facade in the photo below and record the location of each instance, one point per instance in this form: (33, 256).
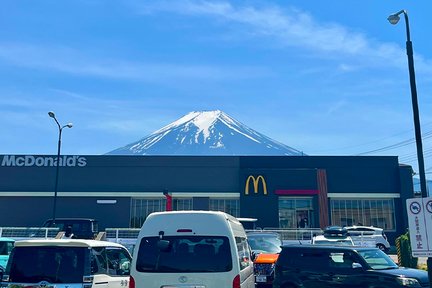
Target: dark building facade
(280, 191)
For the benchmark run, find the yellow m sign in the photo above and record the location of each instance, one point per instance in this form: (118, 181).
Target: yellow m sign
(255, 181)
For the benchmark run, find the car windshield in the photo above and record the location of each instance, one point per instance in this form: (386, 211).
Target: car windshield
(6, 247)
(377, 259)
(334, 243)
(184, 254)
(265, 243)
(46, 263)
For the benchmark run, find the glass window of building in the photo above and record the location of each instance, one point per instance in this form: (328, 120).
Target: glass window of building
(369, 212)
(296, 212)
(142, 207)
(182, 204)
(230, 206)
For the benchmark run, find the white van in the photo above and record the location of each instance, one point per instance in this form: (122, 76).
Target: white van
(70, 263)
(200, 249)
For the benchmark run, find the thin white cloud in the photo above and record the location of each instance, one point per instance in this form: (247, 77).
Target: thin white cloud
(295, 28)
(71, 61)
(346, 67)
(336, 107)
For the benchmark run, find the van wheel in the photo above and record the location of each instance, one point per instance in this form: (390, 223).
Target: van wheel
(381, 247)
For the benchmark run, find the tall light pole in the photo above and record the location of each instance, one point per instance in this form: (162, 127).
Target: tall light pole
(60, 128)
(394, 19)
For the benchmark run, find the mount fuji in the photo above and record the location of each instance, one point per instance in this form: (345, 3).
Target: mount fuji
(206, 133)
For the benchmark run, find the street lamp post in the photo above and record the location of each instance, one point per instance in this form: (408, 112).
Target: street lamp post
(60, 128)
(394, 19)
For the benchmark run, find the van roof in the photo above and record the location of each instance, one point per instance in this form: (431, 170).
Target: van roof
(194, 212)
(197, 212)
(72, 219)
(198, 221)
(66, 242)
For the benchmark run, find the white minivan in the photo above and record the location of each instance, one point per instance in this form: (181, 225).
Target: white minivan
(192, 249)
(67, 263)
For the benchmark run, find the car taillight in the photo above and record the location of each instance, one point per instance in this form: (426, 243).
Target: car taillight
(385, 237)
(236, 282)
(131, 282)
(88, 281)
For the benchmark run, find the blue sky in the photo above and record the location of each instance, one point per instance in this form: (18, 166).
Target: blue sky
(324, 77)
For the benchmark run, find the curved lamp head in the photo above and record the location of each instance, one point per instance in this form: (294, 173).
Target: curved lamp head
(393, 19)
(69, 125)
(51, 114)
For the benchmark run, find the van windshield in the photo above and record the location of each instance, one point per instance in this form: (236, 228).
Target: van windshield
(265, 243)
(184, 254)
(45, 263)
(6, 247)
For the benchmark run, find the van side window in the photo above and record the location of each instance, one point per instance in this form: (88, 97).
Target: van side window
(118, 261)
(99, 261)
(243, 252)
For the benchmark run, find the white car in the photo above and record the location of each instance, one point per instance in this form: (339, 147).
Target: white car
(333, 236)
(332, 241)
(369, 236)
(67, 263)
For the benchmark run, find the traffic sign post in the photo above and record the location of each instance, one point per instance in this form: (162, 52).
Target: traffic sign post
(421, 245)
(427, 203)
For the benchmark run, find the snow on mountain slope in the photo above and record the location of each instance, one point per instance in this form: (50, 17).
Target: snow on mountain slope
(206, 133)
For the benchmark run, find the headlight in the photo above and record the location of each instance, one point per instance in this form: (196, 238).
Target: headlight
(409, 282)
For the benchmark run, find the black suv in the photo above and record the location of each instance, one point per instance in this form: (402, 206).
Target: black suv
(347, 266)
(82, 228)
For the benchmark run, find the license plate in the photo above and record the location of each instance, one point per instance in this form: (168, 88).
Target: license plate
(260, 278)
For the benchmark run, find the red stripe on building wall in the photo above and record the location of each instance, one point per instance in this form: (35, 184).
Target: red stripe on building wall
(323, 198)
(296, 192)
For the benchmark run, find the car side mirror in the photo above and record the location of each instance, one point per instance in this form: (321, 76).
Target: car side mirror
(253, 255)
(125, 267)
(356, 266)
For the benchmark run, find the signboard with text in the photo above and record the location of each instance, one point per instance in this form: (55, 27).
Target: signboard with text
(420, 226)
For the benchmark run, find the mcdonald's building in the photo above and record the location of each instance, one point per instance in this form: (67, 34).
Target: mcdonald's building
(280, 191)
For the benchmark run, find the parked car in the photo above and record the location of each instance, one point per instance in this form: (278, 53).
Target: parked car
(82, 228)
(6, 245)
(369, 236)
(334, 236)
(265, 250)
(310, 266)
(192, 249)
(65, 263)
(332, 241)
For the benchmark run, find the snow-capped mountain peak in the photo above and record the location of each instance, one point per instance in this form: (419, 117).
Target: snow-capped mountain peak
(206, 133)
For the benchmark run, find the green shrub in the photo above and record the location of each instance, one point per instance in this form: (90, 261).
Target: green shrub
(403, 247)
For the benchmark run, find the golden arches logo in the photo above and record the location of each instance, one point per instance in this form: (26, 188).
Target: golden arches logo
(255, 181)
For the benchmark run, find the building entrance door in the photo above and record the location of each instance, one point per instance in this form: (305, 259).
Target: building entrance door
(296, 212)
